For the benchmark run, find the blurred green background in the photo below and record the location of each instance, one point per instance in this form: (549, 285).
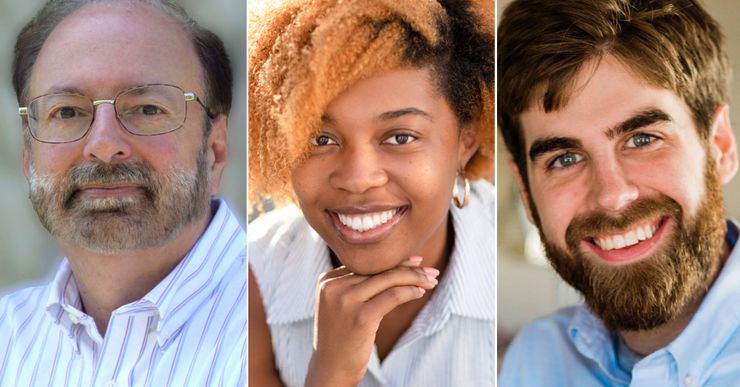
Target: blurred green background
(27, 253)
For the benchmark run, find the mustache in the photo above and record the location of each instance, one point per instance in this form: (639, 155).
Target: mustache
(643, 209)
(96, 173)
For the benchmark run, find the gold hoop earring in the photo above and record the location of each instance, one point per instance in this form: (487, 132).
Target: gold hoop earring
(456, 190)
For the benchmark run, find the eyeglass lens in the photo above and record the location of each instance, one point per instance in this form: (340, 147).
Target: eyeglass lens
(146, 111)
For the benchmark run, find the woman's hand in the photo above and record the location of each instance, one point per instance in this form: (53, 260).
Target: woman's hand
(349, 308)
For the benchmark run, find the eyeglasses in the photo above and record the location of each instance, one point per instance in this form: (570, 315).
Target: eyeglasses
(148, 110)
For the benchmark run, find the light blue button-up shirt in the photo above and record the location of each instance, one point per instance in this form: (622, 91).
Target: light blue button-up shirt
(573, 348)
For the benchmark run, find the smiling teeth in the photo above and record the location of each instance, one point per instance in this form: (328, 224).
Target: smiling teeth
(364, 222)
(630, 238)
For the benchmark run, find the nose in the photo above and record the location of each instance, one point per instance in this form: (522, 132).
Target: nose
(358, 170)
(107, 140)
(611, 187)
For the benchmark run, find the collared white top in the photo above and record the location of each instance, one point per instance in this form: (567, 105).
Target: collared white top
(573, 348)
(451, 341)
(190, 330)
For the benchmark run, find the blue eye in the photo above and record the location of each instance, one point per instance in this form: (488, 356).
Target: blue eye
(640, 140)
(565, 160)
(400, 139)
(322, 140)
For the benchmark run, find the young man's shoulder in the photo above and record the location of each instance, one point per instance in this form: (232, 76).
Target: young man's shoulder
(542, 353)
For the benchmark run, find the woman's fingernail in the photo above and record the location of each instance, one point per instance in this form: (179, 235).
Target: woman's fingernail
(431, 271)
(415, 259)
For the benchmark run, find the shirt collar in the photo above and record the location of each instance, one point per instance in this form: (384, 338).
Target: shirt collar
(178, 295)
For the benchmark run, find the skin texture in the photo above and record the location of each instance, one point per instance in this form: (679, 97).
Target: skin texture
(125, 45)
(363, 160)
(606, 173)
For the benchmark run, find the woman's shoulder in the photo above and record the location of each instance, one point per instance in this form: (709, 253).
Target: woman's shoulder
(280, 238)
(483, 200)
(278, 226)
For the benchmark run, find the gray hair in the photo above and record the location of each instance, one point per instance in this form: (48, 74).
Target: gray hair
(217, 75)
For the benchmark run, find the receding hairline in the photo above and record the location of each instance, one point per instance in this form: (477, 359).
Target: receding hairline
(167, 19)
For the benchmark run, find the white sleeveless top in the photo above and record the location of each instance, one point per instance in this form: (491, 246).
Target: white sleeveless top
(450, 342)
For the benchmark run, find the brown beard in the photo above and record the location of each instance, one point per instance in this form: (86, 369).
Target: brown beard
(655, 290)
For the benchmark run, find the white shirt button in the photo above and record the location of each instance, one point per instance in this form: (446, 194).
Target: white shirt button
(74, 318)
(688, 381)
(111, 383)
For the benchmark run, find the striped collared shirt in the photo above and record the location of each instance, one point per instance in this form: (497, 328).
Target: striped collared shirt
(190, 330)
(450, 342)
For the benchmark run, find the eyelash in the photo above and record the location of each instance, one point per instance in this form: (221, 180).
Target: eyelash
(410, 139)
(315, 140)
(551, 165)
(330, 141)
(653, 139)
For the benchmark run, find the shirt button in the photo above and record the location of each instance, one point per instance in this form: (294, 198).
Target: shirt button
(688, 381)
(111, 383)
(74, 318)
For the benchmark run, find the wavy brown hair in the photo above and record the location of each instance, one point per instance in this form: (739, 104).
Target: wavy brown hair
(543, 44)
(304, 53)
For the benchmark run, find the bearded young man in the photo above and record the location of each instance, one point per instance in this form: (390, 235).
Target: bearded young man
(615, 113)
(124, 107)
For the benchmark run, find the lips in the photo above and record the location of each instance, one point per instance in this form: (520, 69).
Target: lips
(630, 237)
(631, 244)
(367, 221)
(366, 225)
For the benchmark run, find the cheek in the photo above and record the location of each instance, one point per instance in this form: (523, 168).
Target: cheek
(306, 179)
(680, 180)
(557, 205)
(51, 158)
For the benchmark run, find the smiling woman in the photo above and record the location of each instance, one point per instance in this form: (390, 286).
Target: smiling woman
(365, 117)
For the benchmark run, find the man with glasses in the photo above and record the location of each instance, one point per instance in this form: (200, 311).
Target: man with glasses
(124, 107)
(615, 113)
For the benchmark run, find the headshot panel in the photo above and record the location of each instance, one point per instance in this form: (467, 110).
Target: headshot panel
(371, 133)
(618, 199)
(124, 128)
(28, 252)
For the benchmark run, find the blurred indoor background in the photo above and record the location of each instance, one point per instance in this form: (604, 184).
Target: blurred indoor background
(27, 253)
(527, 287)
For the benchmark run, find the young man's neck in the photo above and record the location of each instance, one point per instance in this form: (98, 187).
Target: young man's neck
(107, 282)
(648, 341)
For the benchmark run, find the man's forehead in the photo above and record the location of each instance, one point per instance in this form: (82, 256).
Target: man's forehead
(108, 46)
(600, 99)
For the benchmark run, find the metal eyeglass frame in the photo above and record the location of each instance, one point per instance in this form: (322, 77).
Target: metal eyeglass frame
(188, 96)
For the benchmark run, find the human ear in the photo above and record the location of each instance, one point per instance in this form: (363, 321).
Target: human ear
(523, 194)
(218, 150)
(722, 144)
(468, 143)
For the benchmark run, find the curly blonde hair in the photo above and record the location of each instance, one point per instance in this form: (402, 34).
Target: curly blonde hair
(304, 53)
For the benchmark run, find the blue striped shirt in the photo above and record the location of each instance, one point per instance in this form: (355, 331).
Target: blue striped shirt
(450, 342)
(190, 330)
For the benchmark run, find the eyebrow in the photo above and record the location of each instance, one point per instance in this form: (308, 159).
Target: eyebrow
(639, 120)
(545, 145)
(64, 90)
(389, 115)
(393, 114)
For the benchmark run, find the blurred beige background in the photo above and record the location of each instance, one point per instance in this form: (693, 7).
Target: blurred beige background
(27, 253)
(527, 287)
